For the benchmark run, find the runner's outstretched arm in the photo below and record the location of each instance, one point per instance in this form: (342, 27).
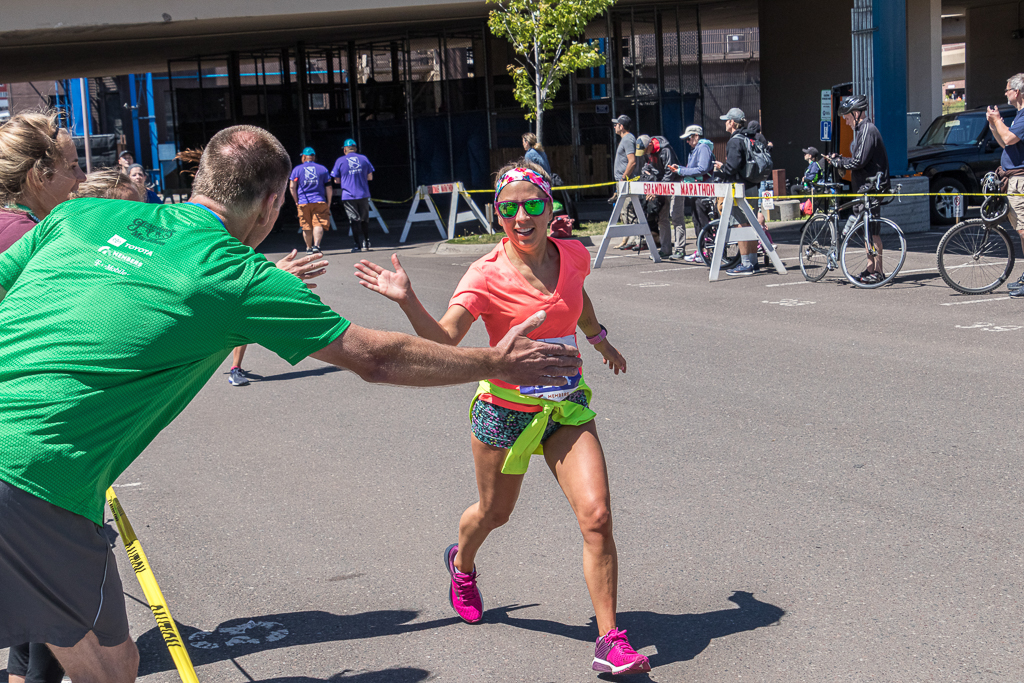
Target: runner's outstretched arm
(589, 326)
(396, 286)
(395, 358)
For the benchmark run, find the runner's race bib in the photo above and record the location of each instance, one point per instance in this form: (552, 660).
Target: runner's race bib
(553, 393)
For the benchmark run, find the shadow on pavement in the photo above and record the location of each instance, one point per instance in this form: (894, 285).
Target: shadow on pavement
(678, 637)
(312, 372)
(244, 636)
(400, 675)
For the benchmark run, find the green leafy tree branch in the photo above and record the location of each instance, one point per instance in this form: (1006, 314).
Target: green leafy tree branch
(543, 33)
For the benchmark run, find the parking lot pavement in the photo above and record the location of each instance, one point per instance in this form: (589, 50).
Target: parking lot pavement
(810, 482)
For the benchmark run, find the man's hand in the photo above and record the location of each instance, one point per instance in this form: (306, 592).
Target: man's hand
(304, 268)
(718, 165)
(527, 362)
(992, 114)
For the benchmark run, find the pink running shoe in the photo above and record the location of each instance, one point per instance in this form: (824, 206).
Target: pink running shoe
(463, 595)
(613, 654)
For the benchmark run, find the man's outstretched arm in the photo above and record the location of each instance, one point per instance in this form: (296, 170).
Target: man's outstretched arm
(396, 358)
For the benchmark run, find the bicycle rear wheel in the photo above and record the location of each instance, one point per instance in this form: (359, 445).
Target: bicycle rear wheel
(975, 258)
(817, 246)
(856, 249)
(706, 246)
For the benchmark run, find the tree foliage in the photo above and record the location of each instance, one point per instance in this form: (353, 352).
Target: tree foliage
(543, 34)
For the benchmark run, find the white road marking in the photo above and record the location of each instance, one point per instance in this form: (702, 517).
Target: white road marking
(124, 486)
(976, 301)
(989, 327)
(669, 270)
(649, 284)
(787, 284)
(790, 302)
(237, 634)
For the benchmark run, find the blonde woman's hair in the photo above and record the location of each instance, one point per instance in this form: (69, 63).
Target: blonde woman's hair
(109, 183)
(28, 142)
(531, 140)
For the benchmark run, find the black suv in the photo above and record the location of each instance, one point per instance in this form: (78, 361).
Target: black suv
(955, 153)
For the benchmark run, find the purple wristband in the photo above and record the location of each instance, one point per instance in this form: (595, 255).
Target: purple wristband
(599, 337)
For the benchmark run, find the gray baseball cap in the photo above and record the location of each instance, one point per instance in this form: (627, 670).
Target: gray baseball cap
(734, 114)
(692, 130)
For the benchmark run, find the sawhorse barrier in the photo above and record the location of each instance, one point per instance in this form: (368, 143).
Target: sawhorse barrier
(731, 192)
(424, 194)
(629, 193)
(734, 196)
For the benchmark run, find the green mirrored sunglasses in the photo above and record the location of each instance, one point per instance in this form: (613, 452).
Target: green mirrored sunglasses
(534, 207)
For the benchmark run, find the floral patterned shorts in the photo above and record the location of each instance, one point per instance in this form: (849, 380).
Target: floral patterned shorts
(499, 427)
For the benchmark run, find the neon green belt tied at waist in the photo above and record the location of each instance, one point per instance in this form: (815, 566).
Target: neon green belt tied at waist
(528, 443)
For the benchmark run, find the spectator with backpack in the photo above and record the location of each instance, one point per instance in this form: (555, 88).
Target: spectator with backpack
(659, 159)
(744, 163)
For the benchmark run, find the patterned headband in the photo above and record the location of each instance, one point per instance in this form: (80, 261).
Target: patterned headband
(526, 174)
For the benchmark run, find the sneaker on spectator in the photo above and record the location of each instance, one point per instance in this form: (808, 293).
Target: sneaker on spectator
(1016, 284)
(1017, 293)
(237, 378)
(613, 654)
(678, 255)
(695, 257)
(742, 269)
(316, 249)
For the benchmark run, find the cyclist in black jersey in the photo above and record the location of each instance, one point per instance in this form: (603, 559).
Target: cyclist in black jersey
(867, 159)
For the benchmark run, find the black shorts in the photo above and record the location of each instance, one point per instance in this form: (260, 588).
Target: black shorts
(58, 575)
(357, 210)
(35, 663)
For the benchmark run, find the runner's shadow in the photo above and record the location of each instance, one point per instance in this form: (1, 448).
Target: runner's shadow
(677, 637)
(239, 637)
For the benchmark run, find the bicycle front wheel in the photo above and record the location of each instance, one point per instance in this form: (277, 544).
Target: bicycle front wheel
(817, 247)
(975, 258)
(859, 253)
(706, 246)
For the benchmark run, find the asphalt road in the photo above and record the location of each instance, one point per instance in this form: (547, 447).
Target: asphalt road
(810, 482)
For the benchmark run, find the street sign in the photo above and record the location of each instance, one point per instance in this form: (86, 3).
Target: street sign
(958, 206)
(768, 199)
(826, 105)
(826, 131)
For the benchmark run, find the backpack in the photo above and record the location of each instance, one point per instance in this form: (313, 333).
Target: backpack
(758, 166)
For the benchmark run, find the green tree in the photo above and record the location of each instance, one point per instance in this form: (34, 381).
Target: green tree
(543, 33)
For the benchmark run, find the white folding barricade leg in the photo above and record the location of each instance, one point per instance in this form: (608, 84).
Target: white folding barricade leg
(422, 195)
(627, 194)
(374, 213)
(455, 216)
(735, 196)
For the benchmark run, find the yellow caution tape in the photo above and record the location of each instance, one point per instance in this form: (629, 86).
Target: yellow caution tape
(822, 195)
(144, 573)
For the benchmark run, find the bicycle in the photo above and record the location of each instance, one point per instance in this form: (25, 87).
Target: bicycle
(857, 249)
(975, 256)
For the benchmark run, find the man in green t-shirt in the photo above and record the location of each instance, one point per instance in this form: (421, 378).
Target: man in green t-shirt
(113, 315)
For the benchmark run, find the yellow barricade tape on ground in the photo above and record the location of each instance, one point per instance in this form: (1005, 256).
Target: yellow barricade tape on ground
(144, 574)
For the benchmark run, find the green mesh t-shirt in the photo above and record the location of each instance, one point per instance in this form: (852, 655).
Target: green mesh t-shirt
(114, 314)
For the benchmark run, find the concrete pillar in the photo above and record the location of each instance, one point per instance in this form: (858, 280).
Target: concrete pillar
(924, 58)
(794, 72)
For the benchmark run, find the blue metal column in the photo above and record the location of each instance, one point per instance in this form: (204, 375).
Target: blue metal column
(74, 107)
(890, 96)
(134, 106)
(154, 140)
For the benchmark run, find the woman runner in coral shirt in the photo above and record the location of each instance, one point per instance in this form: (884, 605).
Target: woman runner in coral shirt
(525, 273)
